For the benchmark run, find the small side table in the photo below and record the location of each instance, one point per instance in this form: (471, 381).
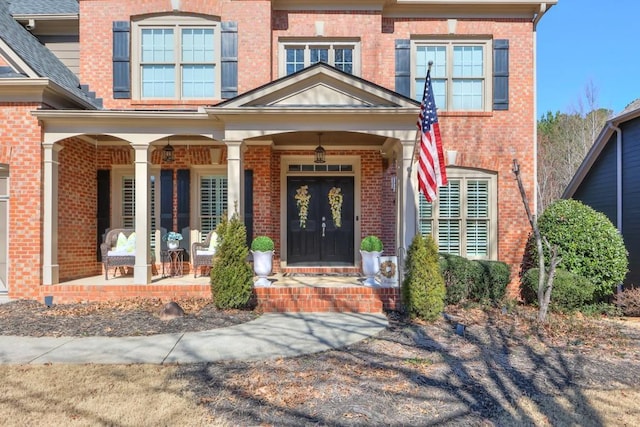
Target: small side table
(174, 258)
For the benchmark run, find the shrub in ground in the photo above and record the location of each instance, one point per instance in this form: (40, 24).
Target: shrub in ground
(423, 288)
(231, 274)
(459, 276)
(570, 292)
(492, 285)
(589, 244)
(629, 301)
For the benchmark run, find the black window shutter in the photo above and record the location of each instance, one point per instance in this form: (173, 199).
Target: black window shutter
(403, 67)
(103, 206)
(501, 74)
(121, 60)
(166, 200)
(248, 204)
(229, 59)
(183, 193)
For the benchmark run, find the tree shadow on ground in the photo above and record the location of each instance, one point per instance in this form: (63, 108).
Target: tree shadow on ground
(413, 374)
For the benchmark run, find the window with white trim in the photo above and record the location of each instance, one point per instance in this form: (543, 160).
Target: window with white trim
(127, 205)
(459, 74)
(463, 219)
(341, 54)
(212, 202)
(176, 57)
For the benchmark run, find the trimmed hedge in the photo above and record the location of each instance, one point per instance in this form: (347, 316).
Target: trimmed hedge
(589, 244)
(475, 280)
(570, 292)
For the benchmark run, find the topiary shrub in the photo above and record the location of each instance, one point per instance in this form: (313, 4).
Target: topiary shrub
(589, 244)
(262, 244)
(570, 292)
(371, 244)
(423, 288)
(231, 274)
(494, 278)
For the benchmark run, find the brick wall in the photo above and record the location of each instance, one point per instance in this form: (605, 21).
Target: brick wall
(77, 204)
(22, 151)
(96, 17)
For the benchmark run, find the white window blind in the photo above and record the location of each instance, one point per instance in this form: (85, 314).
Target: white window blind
(213, 202)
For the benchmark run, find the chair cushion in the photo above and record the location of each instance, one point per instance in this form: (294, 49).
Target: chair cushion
(201, 252)
(118, 253)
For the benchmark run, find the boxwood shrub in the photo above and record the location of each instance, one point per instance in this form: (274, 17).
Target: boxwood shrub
(476, 280)
(570, 292)
(589, 244)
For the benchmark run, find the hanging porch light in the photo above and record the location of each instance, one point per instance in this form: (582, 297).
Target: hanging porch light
(168, 153)
(319, 152)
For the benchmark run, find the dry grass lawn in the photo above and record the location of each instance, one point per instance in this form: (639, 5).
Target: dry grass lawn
(93, 395)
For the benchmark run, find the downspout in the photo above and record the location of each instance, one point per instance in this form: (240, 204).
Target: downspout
(536, 19)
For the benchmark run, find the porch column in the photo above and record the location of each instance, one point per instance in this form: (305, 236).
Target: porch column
(142, 268)
(407, 196)
(235, 178)
(50, 266)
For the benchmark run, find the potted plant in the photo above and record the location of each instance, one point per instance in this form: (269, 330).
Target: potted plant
(370, 251)
(173, 239)
(262, 249)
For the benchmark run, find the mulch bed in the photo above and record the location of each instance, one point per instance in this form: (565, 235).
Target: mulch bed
(113, 319)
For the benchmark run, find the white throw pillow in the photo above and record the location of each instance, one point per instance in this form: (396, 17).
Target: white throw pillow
(121, 244)
(213, 242)
(131, 243)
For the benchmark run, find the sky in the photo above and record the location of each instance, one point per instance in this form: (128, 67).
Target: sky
(583, 42)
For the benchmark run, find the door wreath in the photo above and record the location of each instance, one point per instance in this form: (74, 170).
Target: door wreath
(302, 201)
(388, 269)
(335, 200)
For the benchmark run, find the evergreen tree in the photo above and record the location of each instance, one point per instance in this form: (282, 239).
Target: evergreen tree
(231, 274)
(423, 288)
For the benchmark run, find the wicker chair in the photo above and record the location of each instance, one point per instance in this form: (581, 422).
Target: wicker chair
(201, 256)
(115, 260)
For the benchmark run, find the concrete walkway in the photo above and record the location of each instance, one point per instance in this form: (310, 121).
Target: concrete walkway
(270, 336)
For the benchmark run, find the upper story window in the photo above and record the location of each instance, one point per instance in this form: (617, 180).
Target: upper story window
(341, 54)
(176, 57)
(460, 73)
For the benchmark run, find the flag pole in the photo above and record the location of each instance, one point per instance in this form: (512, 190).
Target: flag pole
(413, 156)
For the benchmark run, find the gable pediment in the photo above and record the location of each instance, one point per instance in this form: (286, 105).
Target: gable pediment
(316, 87)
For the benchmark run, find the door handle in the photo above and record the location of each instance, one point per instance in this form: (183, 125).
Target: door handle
(324, 225)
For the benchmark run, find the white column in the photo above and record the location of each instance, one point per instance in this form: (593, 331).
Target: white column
(142, 268)
(235, 179)
(50, 267)
(407, 196)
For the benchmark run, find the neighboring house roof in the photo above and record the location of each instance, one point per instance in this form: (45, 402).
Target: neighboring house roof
(43, 7)
(630, 112)
(40, 59)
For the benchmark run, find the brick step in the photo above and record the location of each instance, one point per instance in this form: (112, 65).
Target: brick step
(322, 270)
(327, 299)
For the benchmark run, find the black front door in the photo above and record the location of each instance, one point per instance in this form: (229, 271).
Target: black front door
(320, 220)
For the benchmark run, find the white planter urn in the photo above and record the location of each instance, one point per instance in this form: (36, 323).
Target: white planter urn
(370, 267)
(173, 244)
(262, 265)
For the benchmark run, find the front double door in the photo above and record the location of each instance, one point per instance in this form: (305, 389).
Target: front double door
(320, 221)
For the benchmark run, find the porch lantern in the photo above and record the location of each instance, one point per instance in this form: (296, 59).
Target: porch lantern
(168, 153)
(319, 152)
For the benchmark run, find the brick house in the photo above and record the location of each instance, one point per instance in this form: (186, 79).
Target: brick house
(93, 92)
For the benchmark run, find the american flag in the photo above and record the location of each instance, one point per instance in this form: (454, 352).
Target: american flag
(431, 168)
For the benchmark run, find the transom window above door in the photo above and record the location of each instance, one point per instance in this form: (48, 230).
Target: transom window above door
(176, 57)
(459, 74)
(341, 54)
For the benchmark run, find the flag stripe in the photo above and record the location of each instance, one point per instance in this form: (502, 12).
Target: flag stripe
(431, 168)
